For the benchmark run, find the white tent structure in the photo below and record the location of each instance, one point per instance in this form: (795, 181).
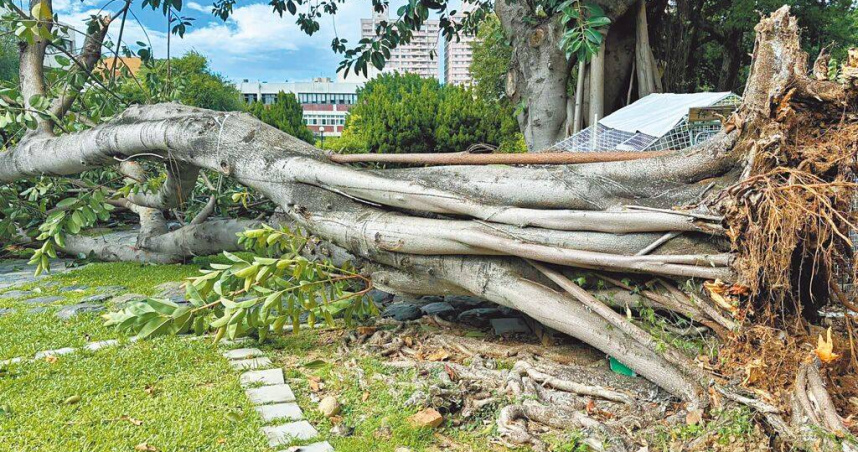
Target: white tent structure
(656, 122)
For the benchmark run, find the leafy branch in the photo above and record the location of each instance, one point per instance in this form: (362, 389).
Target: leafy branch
(255, 296)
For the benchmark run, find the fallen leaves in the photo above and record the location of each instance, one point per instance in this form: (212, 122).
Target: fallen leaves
(721, 295)
(131, 420)
(72, 400)
(694, 417)
(315, 382)
(438, 355)
(145, 447)
(825, 349)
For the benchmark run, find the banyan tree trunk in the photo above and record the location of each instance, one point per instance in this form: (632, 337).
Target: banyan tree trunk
(499, 232)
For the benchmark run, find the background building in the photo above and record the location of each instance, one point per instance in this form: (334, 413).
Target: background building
(324, 102)
(414, 57)
(458, 57)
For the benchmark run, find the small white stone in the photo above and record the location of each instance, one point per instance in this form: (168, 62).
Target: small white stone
(93, 346)
(243, 353)
(279, 435)
(270, 394)
(286, 411)
(323, 446)
(329, 406)
(262, 377)
(57, 352)
(11, 361)
(253, 363)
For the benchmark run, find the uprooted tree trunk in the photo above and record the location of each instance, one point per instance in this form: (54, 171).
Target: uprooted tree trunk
(507, 234)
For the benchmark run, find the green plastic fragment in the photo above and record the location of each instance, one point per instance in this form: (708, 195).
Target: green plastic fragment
(621, 368)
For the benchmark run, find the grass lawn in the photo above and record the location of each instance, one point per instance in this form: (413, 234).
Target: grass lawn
(170, 393)
(25, 333)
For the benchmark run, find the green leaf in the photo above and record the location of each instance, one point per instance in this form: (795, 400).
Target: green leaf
(154, 327)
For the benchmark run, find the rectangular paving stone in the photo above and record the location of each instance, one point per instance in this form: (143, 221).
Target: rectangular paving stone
(57, 352)
(9, 362)
(285, 411)
(323, 446)
(253, 363)
(243, 353)
(262, 377)
(93, 346)
(284, 434)
(270, 394)
(42, 300)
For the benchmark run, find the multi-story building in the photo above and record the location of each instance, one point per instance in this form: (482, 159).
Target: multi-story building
(324, 102)
(458, 56)
(417, 57)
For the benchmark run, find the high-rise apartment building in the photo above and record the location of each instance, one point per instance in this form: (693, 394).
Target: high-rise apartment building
(415, 57)
(459, 55)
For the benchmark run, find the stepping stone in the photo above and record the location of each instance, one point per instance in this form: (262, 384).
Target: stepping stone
(479, 316)
(67, 312)
(57, 352)
(402, 312)
(11, 361)
(262, 377)
(43, 300)
(243, 353)
(4, 311)
(253, 363)
(17, 294)
(441, 309)
(172, 291)
(270, 394)
(94, 346)
(97, 298)
(110, 290)
(464, 302)
(286, 433)
(120, 301)
(379, 296)
(284, 411)
(37, 310)
(323, 446)
(509, 326)
(74, 287)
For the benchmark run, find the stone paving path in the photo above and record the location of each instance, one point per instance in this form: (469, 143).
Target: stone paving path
(275, 401)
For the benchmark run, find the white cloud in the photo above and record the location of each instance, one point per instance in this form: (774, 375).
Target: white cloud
(253, 43)
(197, 7)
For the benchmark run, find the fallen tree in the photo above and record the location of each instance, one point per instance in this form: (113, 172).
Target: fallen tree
(761, 213)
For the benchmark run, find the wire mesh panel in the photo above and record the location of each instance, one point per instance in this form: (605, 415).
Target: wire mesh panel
(683, 135)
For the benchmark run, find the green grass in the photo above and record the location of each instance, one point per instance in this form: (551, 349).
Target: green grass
(26, 333)
(181, 390)
(184, 392)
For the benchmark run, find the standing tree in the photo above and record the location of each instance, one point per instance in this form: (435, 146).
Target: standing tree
(759, 215)
(286, 114)
(395, 113)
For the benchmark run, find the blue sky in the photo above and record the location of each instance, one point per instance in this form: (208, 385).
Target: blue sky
(254, 43)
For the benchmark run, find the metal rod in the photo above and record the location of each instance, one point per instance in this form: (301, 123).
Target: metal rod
(531, 158)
